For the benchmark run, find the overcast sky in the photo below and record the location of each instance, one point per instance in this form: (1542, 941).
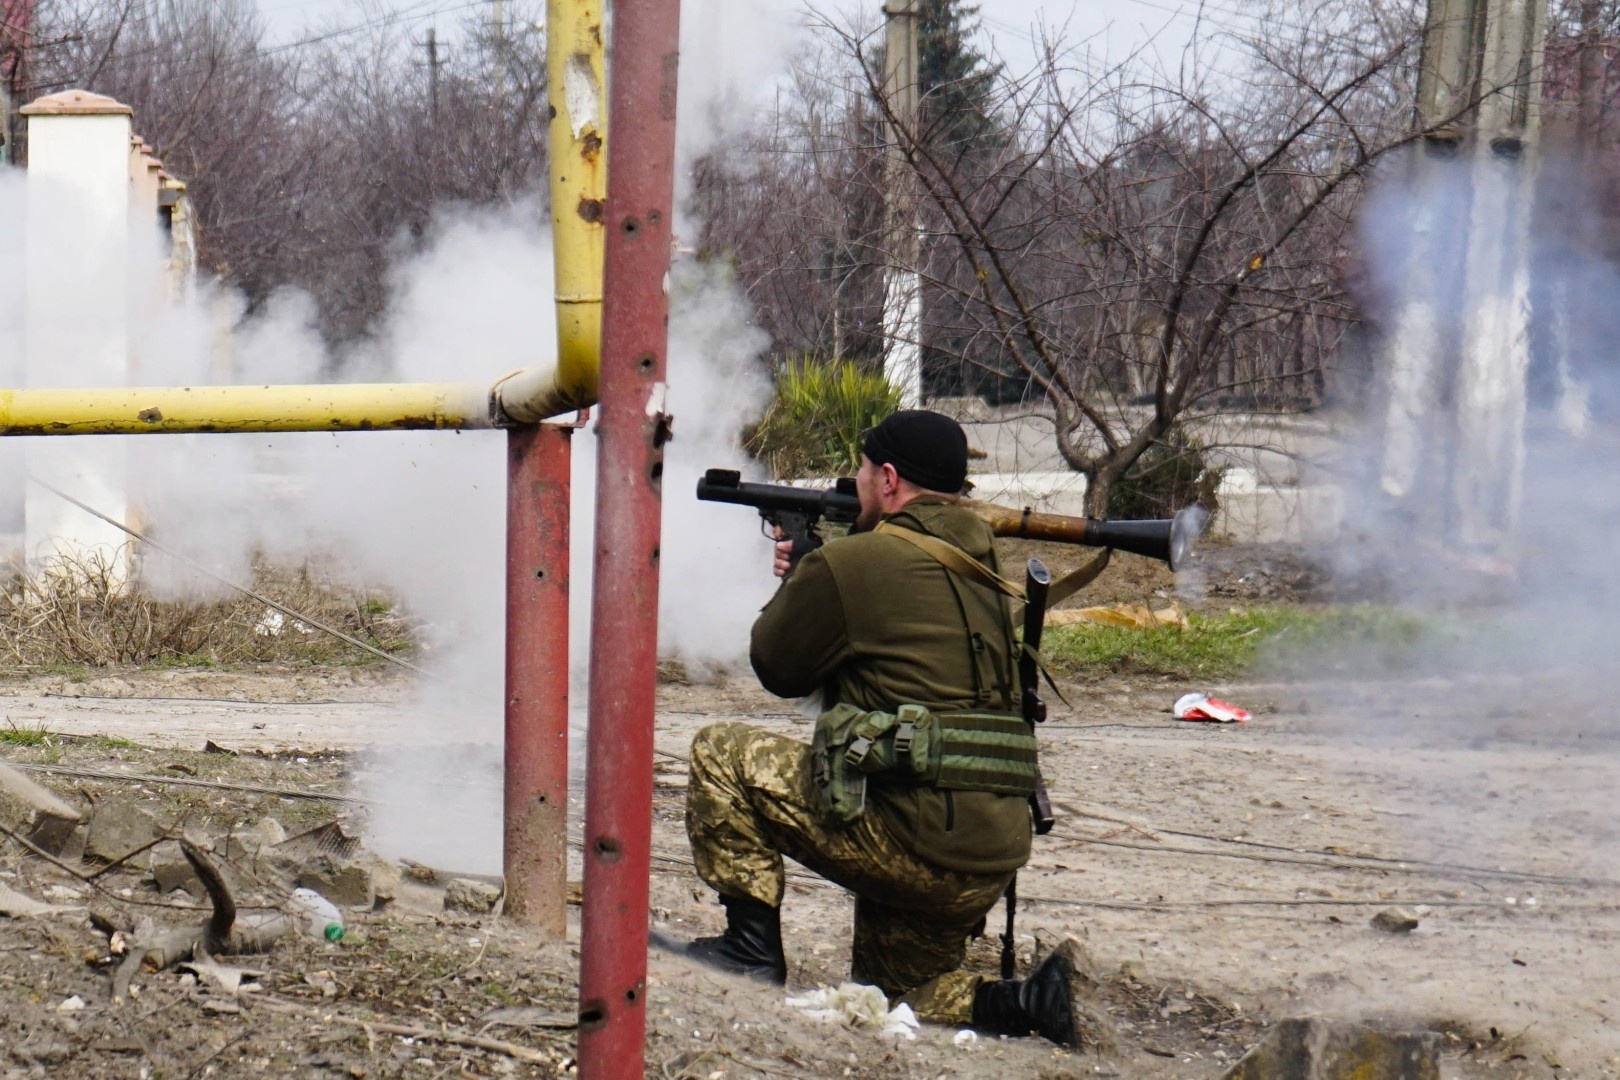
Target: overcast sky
(1098, 29)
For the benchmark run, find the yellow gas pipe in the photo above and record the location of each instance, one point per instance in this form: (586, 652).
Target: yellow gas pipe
(578, 188)
(336, 407)
(577, 88)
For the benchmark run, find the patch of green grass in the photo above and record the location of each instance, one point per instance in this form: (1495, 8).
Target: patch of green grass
(72, 672)
(184, 660)
(501, 994)
(1229, 645)
(25, 735)
(110, 742)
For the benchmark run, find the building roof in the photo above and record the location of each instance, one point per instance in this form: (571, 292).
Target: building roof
(76, 103)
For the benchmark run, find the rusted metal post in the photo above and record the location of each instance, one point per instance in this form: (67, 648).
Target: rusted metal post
(632, 430)
(535, 859)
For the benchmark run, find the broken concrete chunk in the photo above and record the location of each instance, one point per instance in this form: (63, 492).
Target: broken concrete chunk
(1315, 1049)
(171, 871)
(1395, 920)
(385, 877)
(19, 906)
(34, 811)
(471, 895)
(347, 884)
(118, 827)
(245, 844)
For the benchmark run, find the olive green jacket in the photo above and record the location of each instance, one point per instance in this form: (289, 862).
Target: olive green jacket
(873, 621)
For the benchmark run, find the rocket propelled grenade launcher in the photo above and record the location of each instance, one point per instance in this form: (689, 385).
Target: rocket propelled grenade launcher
(796, 511)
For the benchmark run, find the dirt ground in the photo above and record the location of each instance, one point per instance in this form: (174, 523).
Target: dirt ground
(1221, 876)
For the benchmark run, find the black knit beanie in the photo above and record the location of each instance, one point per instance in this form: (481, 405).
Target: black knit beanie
(924, 447)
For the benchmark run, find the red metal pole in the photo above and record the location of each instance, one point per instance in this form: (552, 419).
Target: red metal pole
(535, 858)
(633, 428)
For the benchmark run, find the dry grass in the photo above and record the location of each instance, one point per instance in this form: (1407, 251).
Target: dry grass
(78, 611)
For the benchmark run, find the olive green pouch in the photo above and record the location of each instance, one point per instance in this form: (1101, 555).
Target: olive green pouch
(851, 744)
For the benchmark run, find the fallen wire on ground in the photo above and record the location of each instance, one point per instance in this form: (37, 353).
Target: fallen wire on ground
(187, 781)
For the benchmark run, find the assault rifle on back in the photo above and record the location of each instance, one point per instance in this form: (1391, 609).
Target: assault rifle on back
(797, 511)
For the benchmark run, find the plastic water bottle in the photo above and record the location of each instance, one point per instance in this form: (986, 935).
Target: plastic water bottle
(321, 917)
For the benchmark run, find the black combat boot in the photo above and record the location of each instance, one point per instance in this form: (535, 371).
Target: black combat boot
(1044, 1002)
(751, 945)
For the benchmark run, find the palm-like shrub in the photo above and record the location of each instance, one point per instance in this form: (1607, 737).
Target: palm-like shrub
(814, 424)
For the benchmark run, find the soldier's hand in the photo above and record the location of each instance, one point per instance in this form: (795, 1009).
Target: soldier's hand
(785, 562)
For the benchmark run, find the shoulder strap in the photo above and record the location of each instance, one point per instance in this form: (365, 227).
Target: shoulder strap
(953, 558)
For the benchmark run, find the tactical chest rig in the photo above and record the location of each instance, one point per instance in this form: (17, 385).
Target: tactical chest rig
(954, 751)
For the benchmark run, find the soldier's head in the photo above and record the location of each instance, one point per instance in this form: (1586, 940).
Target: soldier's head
(912, 453)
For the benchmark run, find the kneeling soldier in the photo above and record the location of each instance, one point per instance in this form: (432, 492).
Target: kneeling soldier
(914, 793)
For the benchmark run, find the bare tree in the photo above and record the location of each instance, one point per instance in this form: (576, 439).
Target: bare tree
(310, 164)
(1136, 251)
(1147, 252)
(798, 211)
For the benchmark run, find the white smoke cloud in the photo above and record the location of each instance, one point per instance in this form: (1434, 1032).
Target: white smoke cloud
(422, 514)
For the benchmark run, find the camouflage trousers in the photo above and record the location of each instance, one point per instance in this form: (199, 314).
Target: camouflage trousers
(751, 801)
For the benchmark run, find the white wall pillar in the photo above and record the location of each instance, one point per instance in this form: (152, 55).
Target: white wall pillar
(77, 249)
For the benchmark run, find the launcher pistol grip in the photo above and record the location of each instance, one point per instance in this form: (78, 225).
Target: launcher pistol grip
(797, 527)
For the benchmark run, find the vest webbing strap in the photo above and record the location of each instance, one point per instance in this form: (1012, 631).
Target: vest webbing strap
(993, 752)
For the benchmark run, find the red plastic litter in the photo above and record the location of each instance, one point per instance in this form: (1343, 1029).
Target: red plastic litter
(1200, 706)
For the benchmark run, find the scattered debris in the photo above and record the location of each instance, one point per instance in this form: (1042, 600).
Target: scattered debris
(119, 829)
(30, 810)
(347, 883)
(17, 906)
(471, 895)
(232, 980)
(527, 1016)
(1130, 616)
(1316, 1049)
(320, 917)
(1395, 920)
(859, 1006)
(1201, 706)
(220, 936)
(171, 870)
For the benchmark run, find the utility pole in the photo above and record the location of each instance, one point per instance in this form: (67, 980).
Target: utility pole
(1453, 447)
(498, 31)
(902, 292)
(433, 61)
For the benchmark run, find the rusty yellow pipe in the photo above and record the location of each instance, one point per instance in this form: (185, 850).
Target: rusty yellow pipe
(577, 89)
(338, 407)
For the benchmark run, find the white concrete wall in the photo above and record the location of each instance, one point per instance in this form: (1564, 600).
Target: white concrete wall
(77, 311)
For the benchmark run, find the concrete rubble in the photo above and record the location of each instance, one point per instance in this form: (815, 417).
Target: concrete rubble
(1395, 920)
(345, 882)
(471, 896)
(118, 827)
(32, 811)
(1316, 1049)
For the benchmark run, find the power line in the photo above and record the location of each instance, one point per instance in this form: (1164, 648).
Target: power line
(415, 12)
